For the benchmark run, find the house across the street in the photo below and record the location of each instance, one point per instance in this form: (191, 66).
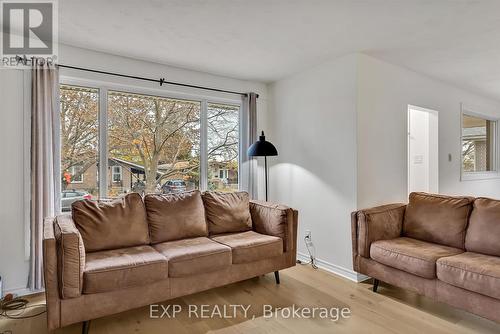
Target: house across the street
(125, 177)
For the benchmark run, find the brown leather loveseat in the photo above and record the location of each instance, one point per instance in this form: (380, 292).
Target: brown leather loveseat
(443, 247)
(106, 258)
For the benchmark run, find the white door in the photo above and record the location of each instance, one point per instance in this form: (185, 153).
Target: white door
(423, 164)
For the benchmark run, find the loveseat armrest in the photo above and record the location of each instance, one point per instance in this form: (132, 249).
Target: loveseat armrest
(70, 257)
(50, 274)
(377, 223)
(276, 220)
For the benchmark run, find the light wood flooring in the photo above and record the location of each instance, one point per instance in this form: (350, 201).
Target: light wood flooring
(391, 310)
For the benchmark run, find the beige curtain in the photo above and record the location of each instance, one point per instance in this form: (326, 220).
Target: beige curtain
(249, 137)
(45, 161)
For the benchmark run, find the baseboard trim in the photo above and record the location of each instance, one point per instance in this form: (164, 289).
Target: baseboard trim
(334, 269)
(22, 292)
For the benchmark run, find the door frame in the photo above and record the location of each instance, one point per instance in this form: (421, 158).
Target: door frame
(408, 157)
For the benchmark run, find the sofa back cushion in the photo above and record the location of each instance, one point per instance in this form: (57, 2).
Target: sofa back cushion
(175, 216)
(115, 224)
(483, 233)
(437, 218)
(227, 212)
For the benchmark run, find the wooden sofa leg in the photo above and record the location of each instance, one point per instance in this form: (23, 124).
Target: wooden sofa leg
(85, 327)
(375, 284)
(277, 277)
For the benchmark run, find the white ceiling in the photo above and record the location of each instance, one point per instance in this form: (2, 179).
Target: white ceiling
(457, 41)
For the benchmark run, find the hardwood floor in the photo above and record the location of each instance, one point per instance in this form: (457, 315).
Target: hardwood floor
(391, 310)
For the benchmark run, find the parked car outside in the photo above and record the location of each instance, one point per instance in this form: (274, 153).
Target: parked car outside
(173, 186)
(70, 196)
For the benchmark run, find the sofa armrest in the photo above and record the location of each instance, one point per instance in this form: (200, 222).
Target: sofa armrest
(70, 257)
(276, 220)
(50, 274)
(378, 223)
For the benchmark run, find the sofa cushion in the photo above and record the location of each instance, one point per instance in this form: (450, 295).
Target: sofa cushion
(471, 271)
(194, 256)
(437, 218)
(175, 216)
(123, 268)
(413, 256)
(109, 225)
(483, 233)
(251, 246)
(227, 212)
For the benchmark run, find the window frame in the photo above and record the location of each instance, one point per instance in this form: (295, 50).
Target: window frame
(113, 173)
(72, 172)
(480, 175)
(225, 173)
(104, 86)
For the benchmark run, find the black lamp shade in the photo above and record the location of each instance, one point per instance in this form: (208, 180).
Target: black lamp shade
(262, 148)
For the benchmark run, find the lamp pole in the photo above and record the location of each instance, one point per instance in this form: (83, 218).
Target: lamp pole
(265, 172)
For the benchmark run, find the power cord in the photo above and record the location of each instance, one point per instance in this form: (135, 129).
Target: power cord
(10, 304)
(311, 250)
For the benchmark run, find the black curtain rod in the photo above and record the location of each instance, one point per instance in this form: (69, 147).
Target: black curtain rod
(161, 81)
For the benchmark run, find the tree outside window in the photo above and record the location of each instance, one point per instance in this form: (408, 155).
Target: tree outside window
(153, 142)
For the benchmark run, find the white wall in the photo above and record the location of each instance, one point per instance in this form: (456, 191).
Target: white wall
(13, 262)
(384, 92)
(313, 123)
(13, 266)
(341, 132)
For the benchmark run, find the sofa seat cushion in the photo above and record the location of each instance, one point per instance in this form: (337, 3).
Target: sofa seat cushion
(123, 268)
(471, 271)
(413, 256)
(251, 246)
(194, 256)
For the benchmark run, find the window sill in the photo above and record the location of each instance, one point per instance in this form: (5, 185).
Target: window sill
(479, 176)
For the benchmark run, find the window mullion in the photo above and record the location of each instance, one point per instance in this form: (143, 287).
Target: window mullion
(203, 147)
(103, 143)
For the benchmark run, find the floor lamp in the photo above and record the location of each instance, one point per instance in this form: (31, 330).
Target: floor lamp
(262, 148)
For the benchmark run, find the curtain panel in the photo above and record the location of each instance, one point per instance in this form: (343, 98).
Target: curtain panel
(249, 136)
(45, 161)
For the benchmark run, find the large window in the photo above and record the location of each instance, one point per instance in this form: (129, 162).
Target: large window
(156, 139)
(149, 144)
(79, 140)
(478, 144)
(223, 134)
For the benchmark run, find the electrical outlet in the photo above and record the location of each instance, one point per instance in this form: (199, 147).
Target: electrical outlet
(308, 234)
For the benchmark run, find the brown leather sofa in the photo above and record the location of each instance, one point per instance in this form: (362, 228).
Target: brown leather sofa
(106, 258)
(443, 247)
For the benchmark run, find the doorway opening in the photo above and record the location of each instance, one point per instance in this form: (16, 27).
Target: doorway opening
(423, 148)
